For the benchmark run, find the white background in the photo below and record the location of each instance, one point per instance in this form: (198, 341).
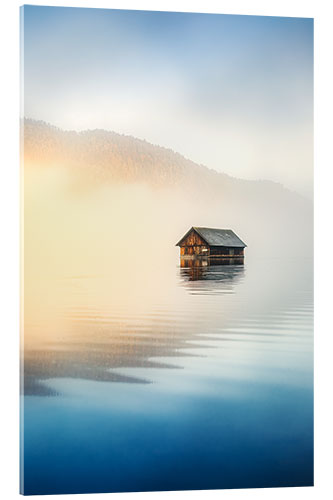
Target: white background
(322, 11)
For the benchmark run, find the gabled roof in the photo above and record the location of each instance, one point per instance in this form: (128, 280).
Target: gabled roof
(217, 237)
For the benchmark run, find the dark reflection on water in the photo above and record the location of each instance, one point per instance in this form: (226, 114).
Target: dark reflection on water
(95, 350)
(99, 342)
(213, 364)
(222, 272)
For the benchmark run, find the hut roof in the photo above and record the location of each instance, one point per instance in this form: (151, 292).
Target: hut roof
(217, 237)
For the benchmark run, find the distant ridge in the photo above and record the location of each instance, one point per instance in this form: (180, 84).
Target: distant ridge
(109, 156)
(267, 215)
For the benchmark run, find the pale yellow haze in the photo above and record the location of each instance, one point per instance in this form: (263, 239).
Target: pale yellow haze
(126, 233)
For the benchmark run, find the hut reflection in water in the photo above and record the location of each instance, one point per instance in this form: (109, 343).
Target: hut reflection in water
(222, 270)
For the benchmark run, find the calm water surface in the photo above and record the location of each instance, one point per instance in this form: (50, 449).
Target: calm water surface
(160, 377)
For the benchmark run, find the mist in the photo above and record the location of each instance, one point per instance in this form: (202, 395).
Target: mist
(111, 206)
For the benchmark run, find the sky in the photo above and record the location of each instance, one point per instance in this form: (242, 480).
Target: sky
(234, 93)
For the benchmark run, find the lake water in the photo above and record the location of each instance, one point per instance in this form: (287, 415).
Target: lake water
(153, 376)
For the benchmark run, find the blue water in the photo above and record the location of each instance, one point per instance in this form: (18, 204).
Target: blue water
(205, 384)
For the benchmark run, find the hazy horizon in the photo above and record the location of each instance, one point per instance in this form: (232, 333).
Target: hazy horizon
(234, 93)
(71, 130)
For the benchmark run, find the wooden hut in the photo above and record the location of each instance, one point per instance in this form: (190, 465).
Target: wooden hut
(210, 242)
